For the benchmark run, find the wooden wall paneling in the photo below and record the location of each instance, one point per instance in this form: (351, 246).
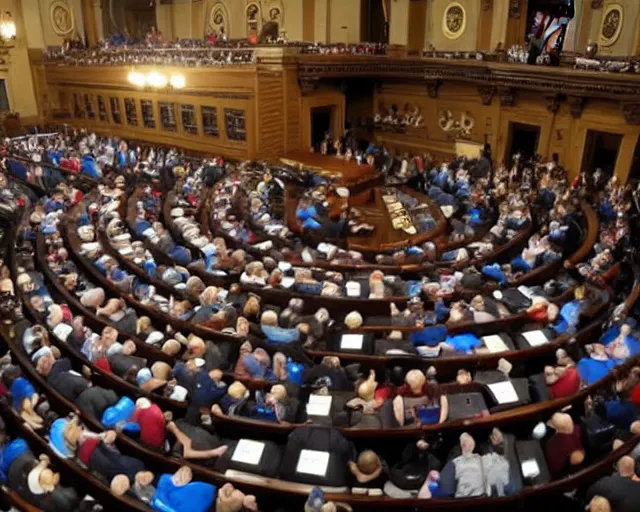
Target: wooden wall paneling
(625, 156)
(238, 80)
(209, 145)
(271, 113)
(561, 137)
(292, 97)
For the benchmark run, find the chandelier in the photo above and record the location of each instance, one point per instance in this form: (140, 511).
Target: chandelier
(7, 28)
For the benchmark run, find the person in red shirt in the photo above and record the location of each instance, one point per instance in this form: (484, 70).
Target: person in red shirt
(151, 421)
(564, 450)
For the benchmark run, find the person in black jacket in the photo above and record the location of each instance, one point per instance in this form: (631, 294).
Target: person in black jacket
(622, 489)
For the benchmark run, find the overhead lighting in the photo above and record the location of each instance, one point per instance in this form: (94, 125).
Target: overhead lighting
(177, 81)
(138, 79)
(7, 27)
(157, 80)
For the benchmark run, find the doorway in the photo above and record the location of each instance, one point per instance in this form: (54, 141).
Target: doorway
(601, 151)
(321, 125)
(374, 23)
(523, 139)
(417, 27)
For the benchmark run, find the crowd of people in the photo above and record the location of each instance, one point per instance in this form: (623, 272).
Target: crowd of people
(173, 306)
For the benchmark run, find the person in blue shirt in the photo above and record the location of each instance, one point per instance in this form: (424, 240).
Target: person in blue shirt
(177, 493)
(90, 167)
(205, 388)
(569, 315)
(307, 214)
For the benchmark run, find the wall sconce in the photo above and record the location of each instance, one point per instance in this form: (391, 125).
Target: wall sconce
(7, 28)
(156, 80)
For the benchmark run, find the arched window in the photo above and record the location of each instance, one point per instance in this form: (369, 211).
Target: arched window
(218, 20)
(254, 18)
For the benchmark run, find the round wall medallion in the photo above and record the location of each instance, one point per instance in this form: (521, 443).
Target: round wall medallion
(61, 18)
(611, 24)
(454, 21)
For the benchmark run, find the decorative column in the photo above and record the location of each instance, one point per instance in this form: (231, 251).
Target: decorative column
(322, 21)
(89, 21)
(399, 22)
(485, 25)
(516, 22)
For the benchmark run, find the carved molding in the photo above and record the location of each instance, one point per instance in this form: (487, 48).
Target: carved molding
(514, 9)
(432, 87)
(576, 105)
(625, 87)
(631, 113)
(308, 84)
(553, 103)
(486, 93)
(486, 5)
(507, 96)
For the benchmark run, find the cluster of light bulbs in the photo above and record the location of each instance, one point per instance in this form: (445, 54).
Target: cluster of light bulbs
(156, 80)
(7, 27)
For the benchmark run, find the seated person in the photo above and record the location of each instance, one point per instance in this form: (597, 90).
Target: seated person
(68, 438)
(471, 474)
(177, 492)
(564, 450)
(620, 490)
(419, 401)
(33, 480)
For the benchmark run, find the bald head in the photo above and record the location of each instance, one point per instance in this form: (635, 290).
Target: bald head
(626, 466)
(196, 346)
(599, 504)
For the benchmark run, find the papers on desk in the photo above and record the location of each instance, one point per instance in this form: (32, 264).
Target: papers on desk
(248, 452)
(352, 341)
(526, 291)
(504, 392)
(319, 405)
(535, 338)
(426, 351)
(313, 462)
(353, 289)
(284, 266)
(62, 331)
(494, 343)
(530, 468)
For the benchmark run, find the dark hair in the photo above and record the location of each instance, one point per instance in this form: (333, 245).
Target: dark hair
(10, 375)
(433, 392)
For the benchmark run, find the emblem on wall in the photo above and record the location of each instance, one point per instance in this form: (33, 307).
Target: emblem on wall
(61, 18)
(461, 126)
(611, 24)
(393, 119)
(454, 21)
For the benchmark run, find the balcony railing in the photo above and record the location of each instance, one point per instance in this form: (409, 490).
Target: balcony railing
(174, 55)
